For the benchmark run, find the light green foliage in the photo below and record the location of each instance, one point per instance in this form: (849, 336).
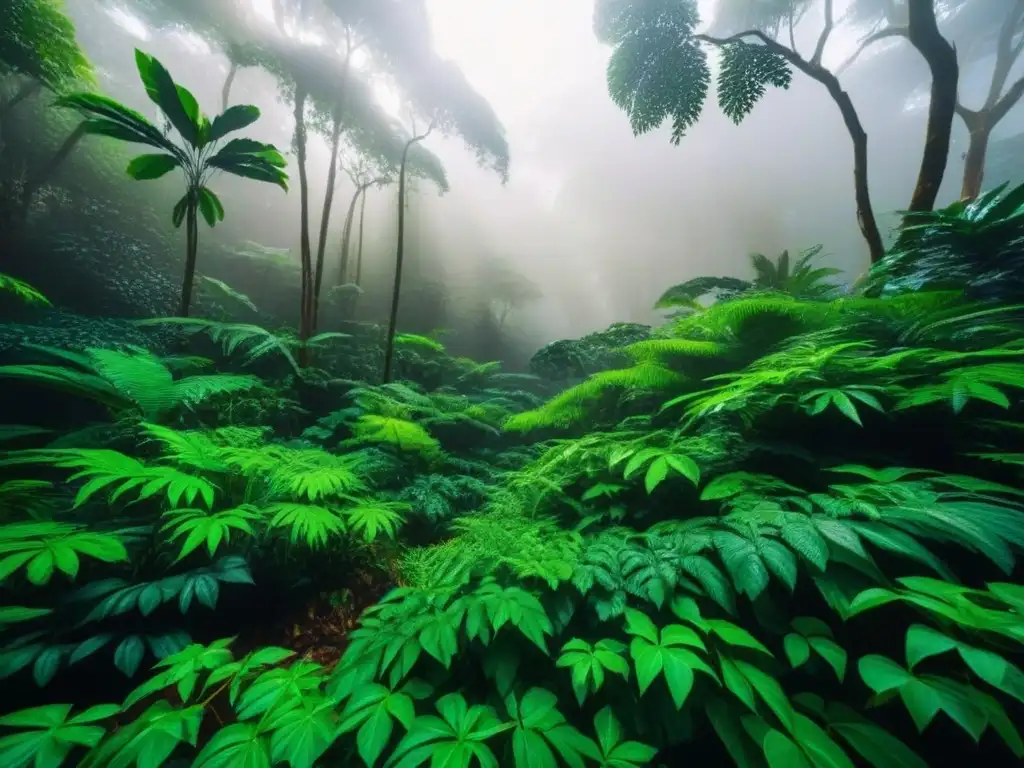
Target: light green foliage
(725, 546)
(22, 290)
(38, 40)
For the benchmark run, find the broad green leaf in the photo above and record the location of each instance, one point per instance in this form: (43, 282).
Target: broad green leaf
(798, 650)
(233, 119)
(147, 167)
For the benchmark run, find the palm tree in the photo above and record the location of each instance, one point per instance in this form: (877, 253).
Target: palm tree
(801, 280)
(199, 155)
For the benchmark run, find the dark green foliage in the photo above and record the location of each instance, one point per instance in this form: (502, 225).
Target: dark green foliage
(800, 280)
(576, 358)
(747, 70)
(657, 70)
(978, 245)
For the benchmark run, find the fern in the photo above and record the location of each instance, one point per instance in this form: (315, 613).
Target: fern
(126, 381)
(22, 291)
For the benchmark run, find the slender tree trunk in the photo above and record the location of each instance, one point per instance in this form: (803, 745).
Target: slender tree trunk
(191, 252)
(359, 247)
(325, 215)
(346, 236)
(923, 33)
(974, 165)
(26, 90)
(305, 256)
(44, 174)
(225, 93)
(389, 349)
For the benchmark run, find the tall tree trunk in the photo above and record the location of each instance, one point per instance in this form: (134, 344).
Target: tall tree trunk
(44, 174)
(858, 136)
(24, 91)
(305, 256)
(359, 247)
(225, 93)
(923, 33)
(325, 215)
(981, 123)
(346, 236)
(191, 252)
(974, 165)
(389, 349)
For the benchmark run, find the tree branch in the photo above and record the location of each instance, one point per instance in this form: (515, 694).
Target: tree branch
(1006, 55)
(881, 34)
(1007, 102)
(794, 58)
(819, 49)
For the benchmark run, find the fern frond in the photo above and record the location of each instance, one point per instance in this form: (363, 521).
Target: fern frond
(661, 350)
(23, 291)
(570, 406)
(107, 469)
(406, 436)
(311, 524)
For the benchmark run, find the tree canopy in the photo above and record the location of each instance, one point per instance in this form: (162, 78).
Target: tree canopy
(37, 40)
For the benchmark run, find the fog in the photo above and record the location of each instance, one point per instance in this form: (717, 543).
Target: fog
(600, 220)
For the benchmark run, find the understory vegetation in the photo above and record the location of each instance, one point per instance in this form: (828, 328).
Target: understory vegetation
(782, 529)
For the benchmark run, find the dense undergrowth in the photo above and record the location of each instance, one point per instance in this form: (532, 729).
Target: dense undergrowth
(783, 530)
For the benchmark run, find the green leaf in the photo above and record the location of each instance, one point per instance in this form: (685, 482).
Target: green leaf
(734, 635)
(678, 675)
(923, 642)
(607, 729)
(832, 653)
(640, 625)
(747, 70)
(210, 206)
(881, 674)
(876, 745)
(685, 466)
(46, 666)
(768, 688)
(129, 655)
(373, 737)
(819, 746)
(529, 750)
(848, 409)
(233, 119)
(798, 650)
(180, 209)
(147, 167)
(176, 102)
(781, 752)
(657, 472)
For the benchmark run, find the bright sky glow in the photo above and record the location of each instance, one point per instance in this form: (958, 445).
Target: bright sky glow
(518, 53)
(129, 23)
(194, 43)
